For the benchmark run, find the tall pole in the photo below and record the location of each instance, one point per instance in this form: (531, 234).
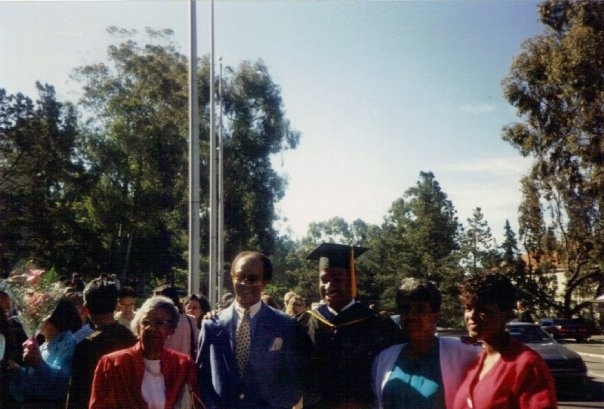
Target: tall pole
(194, 222)
(220, 187)
(212, 295)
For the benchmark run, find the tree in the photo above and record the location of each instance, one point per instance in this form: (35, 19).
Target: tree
(478, 247)
(41, 181)
(255, 127)
(136, 147)
(420, 239)
(137, 144)
(424, 221)
(509, 245)
(556, 84)
(293, 271)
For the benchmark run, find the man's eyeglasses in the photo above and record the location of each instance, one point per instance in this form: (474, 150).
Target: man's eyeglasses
(251, 280)
(156, 323)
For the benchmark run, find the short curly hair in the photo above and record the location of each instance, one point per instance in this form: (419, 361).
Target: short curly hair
(419, 290)
(490, 288)
(151, 303)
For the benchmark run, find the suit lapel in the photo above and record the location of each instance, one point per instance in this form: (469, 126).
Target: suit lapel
(262, 330)
(228, 317)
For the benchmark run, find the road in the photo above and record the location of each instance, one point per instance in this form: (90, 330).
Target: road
(593, 355)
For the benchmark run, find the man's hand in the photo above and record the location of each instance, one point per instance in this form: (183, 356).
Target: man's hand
(212, 314)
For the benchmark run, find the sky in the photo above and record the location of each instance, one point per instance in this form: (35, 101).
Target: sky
(379, 90)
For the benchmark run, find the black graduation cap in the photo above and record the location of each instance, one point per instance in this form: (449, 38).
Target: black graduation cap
(338, 255)
(335, 255)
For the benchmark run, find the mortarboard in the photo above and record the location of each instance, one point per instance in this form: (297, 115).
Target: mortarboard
(338, 256)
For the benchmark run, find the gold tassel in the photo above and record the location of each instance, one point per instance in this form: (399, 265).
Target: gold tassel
(353, 275)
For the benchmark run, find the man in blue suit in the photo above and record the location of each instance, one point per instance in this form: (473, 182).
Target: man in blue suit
(247, 353)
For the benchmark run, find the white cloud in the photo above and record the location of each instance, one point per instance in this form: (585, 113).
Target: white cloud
(505, 165)
(478, 108)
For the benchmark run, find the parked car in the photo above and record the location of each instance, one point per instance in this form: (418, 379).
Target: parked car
(567, 367)
(565, 328)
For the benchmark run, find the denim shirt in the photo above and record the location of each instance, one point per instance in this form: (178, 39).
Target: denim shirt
(49, 380)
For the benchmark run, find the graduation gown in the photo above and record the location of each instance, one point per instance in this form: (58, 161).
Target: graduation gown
(340, 350)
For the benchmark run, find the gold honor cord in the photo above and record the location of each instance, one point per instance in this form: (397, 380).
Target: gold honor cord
(321, 318)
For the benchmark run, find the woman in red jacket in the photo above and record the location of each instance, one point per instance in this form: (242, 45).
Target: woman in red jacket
(147, 375)
(507, 374)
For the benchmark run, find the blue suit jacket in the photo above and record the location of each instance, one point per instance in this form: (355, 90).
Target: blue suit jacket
(272, 377)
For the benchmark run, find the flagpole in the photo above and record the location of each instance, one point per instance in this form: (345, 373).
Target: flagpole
(213, 196)
(220, 263)
(194, 203)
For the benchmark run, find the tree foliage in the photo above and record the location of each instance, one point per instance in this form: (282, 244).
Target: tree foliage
(557, 86)
(255, 127)
(136, 145)
(478, 249)
(425, 225)
(110, 194)
(41, 181)
(419, 238)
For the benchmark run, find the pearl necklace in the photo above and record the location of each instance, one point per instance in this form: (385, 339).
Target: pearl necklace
(151, 371)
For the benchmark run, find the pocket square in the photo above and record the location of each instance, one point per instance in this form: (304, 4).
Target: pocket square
(276, 345)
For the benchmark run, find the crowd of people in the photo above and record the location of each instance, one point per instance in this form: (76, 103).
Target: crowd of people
(98, 350)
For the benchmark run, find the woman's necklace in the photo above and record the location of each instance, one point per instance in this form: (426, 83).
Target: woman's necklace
(150, 370)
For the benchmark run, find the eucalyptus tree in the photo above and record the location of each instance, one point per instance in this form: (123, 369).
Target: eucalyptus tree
(255, 128)
(136, 117)
(136, 146)
(556, 84)
(41, 180)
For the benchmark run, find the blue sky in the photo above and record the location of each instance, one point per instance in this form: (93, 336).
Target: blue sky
(380, 90)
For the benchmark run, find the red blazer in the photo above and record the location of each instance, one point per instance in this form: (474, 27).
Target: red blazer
(119, 375)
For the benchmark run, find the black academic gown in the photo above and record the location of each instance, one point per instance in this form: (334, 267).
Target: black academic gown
(340, 350)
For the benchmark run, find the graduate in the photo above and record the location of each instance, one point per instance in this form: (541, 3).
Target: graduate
(342, 335)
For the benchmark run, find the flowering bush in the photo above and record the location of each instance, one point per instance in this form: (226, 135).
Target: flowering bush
(34, 295)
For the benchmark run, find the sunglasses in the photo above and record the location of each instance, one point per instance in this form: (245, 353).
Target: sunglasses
(250, 280)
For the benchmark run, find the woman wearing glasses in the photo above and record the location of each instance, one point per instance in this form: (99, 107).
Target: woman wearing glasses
(148, 375)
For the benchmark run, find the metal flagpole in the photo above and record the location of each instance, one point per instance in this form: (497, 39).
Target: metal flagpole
(213, 196)
(194, 222)
(220, 263)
